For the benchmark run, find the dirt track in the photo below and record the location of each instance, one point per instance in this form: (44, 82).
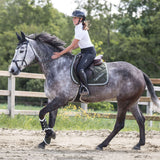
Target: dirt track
(76, 145)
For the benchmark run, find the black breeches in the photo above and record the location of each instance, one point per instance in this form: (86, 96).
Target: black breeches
(87, 57)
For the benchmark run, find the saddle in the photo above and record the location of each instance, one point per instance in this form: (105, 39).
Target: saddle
(98, 60)
(97, 73)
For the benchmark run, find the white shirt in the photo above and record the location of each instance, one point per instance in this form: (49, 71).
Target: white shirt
(82, 36)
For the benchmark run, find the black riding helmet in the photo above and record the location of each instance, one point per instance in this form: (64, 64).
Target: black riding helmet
(79, 14)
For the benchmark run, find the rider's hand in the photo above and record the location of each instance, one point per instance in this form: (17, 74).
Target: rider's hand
(56, 55)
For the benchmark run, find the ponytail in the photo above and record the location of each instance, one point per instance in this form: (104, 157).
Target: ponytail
(85, 25)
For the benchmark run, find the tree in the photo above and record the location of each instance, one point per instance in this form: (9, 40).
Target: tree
(29, 16)
(137, 36)
(99, 14)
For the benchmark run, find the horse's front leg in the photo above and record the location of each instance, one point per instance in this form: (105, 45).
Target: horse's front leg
(52, 120)
(52, 108)
(49, 129)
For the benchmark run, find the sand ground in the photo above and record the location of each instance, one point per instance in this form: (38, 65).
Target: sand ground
(17, 144)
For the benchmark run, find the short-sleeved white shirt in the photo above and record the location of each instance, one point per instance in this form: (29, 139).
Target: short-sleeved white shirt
(82, 36)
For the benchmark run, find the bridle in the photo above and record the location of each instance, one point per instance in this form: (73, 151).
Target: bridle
(24, 58)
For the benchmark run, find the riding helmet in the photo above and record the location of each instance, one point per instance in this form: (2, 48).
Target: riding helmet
(78, 13)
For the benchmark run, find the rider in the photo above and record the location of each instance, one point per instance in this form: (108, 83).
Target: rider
(83, 41)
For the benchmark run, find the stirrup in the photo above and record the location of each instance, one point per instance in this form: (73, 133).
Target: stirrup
(84, 91)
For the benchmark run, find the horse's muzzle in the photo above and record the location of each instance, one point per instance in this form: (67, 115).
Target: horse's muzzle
(14, 70)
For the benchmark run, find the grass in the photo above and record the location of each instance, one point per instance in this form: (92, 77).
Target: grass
(64, 122)
(21, 107)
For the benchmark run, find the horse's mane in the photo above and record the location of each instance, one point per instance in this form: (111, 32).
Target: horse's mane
(49, 39)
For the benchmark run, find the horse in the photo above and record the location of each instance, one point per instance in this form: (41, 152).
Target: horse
(126, 83)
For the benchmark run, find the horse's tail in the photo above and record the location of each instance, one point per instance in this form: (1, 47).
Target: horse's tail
(152, 92)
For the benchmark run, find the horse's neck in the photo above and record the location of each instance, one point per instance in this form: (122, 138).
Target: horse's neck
(50, 66)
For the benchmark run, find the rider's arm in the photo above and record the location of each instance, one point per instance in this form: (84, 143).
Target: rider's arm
(76, 46)
(72, 46)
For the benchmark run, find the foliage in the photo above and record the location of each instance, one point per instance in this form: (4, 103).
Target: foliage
(35, 85)
(138, 36)
(131, 34)
(104, 106)
(98, 47)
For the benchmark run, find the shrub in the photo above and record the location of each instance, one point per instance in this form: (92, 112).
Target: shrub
(105, 106)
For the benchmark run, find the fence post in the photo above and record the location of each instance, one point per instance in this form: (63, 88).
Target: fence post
(11, 97)
(149, 108)
(84, 106)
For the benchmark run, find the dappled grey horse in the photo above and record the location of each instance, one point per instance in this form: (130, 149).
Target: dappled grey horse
(126, 83)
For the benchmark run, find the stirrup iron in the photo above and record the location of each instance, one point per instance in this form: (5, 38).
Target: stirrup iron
(84, 90)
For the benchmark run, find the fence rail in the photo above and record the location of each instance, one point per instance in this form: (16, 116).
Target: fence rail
(11, 93)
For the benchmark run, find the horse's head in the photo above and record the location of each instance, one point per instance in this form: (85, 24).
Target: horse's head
(24, 55)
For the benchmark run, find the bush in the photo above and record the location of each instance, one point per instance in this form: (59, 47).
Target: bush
(105, 106)
(35, 85)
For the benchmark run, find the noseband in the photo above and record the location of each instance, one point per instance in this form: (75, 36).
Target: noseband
(23, 60)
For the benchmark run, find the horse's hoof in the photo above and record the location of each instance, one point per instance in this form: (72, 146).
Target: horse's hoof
(50, 134)
(136, 147)
(53, 135)
(99, 148)
(42, 145)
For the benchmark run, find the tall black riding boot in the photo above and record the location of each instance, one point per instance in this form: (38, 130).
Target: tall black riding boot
(84, 85)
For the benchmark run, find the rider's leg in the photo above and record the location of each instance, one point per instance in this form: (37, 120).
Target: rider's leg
(84, 85)
(85, 62)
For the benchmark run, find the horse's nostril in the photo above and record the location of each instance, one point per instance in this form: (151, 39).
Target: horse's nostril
(12, 71)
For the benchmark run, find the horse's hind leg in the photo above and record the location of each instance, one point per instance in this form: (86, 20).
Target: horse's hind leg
(140, 120)
(118, 126)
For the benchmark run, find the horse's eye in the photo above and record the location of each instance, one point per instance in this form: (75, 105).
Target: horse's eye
(21, 51)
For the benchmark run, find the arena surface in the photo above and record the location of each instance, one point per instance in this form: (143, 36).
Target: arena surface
(18, 144)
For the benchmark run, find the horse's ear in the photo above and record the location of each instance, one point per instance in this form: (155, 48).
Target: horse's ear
(18, 36)
(23, 36)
